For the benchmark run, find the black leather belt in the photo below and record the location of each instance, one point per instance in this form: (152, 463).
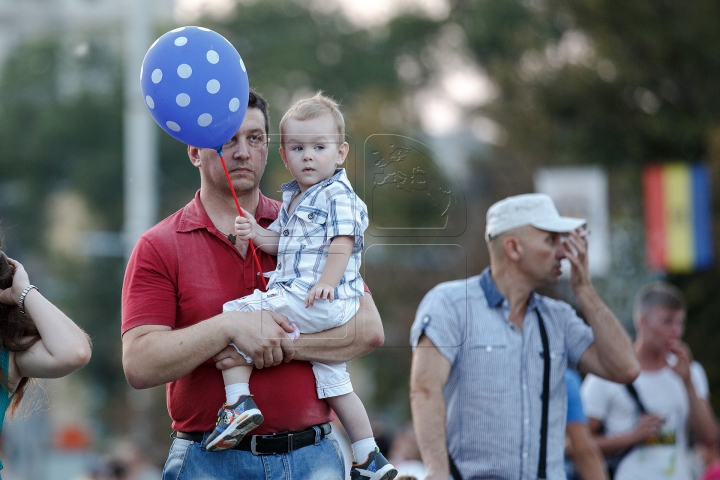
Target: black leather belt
(270, 444)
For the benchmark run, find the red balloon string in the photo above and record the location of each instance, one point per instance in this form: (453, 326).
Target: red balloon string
(237, 204)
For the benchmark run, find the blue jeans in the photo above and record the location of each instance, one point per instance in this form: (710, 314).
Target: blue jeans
(187, 461)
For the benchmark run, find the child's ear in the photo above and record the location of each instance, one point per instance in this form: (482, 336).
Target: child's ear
(284, 157)
(342, 153)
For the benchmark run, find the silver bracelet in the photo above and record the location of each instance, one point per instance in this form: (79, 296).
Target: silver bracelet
(21, 302)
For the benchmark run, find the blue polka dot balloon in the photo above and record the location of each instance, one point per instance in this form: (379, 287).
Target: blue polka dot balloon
(195, 86)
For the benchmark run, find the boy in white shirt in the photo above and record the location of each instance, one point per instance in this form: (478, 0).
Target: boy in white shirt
(318, 238)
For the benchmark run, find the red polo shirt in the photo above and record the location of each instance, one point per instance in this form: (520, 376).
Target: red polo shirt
(181, 272)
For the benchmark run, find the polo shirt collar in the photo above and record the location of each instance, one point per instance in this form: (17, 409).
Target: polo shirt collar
(492, 294)
(195, 217)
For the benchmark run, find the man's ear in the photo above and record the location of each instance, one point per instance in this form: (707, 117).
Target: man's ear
(342, 153)
(640, 320)
(513, 248)
(284, 157)
(194, 155)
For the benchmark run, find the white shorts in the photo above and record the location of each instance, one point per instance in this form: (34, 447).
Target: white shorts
(331, 380)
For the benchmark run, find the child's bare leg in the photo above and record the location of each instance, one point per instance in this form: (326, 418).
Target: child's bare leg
(239, 374)
(351, 412)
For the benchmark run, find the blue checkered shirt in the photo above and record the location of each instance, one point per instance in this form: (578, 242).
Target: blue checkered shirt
(493, 392)
(325, 211)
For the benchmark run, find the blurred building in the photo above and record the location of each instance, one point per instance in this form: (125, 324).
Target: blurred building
(88, 31)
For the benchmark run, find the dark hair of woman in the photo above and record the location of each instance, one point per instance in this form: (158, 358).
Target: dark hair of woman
(17, 332)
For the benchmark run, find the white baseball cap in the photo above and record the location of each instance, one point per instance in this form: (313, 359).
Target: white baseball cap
(534, 209)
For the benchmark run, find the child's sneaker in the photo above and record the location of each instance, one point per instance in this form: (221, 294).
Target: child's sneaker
(234, 421)
(374, 468)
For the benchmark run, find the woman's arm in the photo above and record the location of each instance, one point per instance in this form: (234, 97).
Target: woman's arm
(63, 346)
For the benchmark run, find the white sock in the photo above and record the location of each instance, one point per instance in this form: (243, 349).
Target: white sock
(232, 392)
(362, 448)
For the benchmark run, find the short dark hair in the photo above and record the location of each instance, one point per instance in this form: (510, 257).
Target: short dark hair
(257, 101)
(659, 294)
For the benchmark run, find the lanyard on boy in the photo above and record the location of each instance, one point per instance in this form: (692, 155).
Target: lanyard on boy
(237, 205)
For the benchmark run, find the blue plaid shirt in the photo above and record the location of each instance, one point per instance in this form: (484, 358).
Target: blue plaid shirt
(326, 210)
(493, 391)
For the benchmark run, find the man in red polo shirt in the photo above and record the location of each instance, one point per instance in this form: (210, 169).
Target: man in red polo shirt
(180, 274)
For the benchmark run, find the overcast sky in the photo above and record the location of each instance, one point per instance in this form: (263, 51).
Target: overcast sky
(360, 12)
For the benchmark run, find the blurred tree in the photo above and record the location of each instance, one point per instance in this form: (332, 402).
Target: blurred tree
(619, 85)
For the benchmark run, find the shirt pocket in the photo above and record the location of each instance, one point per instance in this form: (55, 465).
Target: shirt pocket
(314, 226)
(558, 365)
(489, 364)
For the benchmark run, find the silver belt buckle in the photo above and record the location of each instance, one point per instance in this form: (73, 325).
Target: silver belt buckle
(290, 445)
(253, 446)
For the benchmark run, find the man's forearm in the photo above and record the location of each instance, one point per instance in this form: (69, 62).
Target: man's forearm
(154, 355)
(428, 410)
(702, 420)
(591, 466)
(614, 347)
(585, 452)
(361, 335)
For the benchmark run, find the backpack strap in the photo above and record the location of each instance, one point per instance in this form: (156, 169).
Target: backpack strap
(634, 394)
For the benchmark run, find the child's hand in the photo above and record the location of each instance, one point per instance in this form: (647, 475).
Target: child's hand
(320, 290)
(245, 227)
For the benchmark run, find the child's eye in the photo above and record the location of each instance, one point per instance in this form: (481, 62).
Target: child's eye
(319, 147)
(297, 149)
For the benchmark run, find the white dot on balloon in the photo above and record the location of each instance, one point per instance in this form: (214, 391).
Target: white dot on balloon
(150, 102)
(205, 119)
(184, 70)
(183, 99)
(180, 41)
(156, 75)
(213, 86)
(242, 64)
(212, 56)
(204, 29)
(234, 104)
(173, 126)
(179, 29)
